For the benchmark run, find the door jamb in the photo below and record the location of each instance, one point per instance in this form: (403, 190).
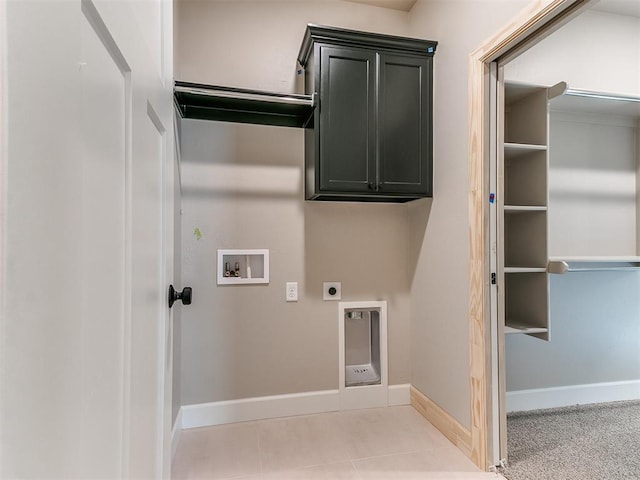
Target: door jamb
(539, 19)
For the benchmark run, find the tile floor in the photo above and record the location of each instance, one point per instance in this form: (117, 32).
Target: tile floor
(382, 443)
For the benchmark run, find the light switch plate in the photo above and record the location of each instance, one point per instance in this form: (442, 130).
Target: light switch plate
(331, 291)
(292, 292)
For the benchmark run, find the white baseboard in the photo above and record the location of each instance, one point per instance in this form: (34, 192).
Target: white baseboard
(536, 399)
(175, 433)
(365, 396)
(399, 395)
(261, 408)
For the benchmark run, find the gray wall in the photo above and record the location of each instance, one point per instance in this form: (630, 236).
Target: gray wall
(439, 230)
(421, 253)
(242, 188)
(254, 45)
(595, 333)
(595, 51)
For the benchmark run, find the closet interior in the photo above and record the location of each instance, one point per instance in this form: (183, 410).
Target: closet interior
(569, 193)
(568, 228)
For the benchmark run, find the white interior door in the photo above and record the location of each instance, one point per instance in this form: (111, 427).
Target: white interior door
(87, 244)
(105, 259)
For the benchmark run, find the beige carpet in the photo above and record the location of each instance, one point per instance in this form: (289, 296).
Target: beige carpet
(590, 442)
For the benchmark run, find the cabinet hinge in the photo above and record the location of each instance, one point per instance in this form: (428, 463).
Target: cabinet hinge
(493, 278)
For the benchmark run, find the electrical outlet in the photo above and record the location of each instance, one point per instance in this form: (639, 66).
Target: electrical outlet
(331, 291)
(292, 292)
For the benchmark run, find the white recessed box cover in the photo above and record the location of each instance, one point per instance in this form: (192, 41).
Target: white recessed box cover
(253, 266)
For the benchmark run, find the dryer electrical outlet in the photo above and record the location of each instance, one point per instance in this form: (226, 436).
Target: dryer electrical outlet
(331, 291)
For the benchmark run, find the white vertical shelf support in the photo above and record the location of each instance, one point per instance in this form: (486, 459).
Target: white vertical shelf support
(523, 205)
(252, 267)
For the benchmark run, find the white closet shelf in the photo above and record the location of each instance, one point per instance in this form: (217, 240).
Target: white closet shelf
(517, 90)
(511, 329)
(562, 265)
(521, 151)
(524, 208)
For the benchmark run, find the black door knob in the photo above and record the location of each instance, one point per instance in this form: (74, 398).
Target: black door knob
(184, 296)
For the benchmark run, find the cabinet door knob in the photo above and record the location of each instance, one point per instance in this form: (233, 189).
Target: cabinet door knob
(370, 185)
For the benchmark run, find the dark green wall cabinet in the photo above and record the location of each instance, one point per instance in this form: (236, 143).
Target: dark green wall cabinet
(370, 138)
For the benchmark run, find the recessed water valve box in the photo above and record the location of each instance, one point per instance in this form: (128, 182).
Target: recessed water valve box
(237, 267)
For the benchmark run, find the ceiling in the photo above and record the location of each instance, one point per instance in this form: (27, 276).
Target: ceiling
(630, 8)
(404, 5)
(620, 7)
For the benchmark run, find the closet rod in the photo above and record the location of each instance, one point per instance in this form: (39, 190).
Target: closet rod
(562, 266)
(602, 95)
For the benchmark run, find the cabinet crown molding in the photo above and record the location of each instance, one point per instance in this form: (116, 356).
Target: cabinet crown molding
(354, 38)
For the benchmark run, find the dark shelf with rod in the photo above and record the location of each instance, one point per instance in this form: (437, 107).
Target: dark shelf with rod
(227, 104)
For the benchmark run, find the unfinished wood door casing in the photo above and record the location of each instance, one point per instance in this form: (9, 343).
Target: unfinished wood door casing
(538, 20)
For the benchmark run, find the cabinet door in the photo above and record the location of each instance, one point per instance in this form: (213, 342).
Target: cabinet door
(347, 120)
(404, 134)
